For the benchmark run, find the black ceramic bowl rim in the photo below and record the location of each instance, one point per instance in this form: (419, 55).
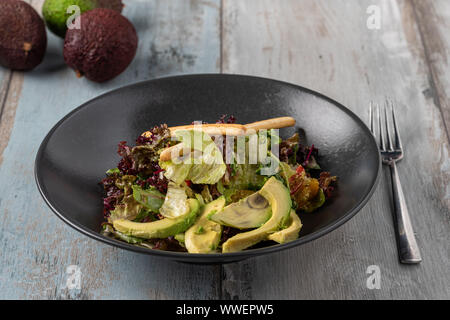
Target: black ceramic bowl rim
(211, 257)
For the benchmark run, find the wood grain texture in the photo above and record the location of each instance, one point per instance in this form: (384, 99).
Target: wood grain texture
(433, 19)
(326, 46)
(5, 80)
(36, 247)
(10, 88)
(9, 100)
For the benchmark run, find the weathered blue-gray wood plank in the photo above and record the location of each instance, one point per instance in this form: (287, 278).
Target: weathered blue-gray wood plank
(35, 246)
(5, 80)
(5, 77)
(326, 46)
(433, 18)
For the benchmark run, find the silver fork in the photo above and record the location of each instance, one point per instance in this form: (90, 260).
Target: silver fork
(408, 250)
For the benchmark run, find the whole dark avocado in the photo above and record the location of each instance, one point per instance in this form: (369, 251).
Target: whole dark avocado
(103, 47)
(116, 5)
(23, 39)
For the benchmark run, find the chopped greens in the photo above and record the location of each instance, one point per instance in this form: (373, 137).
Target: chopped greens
(150, 198)
(200, 230)
(144, 193)
(205, 167)
(175, 203)
(112, 171)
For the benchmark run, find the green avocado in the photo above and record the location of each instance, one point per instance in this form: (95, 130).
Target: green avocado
(250, 212)
(163, 228)
(204, 235)
(280, 200)
(291, 232)
(56, 15)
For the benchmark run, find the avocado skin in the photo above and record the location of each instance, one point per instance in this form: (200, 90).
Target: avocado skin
(55, 11)
(116, 5)
(103, 47)
(23, 39)
(162, 228)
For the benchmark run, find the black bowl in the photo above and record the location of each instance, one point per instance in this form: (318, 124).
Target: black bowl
(75, 154)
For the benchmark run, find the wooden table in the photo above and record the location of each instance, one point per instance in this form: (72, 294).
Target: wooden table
(327, 46)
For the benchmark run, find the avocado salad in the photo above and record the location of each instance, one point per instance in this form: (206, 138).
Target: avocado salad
(199, 190)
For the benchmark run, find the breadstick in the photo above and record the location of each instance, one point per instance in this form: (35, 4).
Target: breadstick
(213, 129)
(274, 123)
(225, 129)
(230, 129)
(166, 154)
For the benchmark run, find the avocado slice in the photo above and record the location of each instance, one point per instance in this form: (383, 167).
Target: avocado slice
(280, 200)
(162, 228)
(291, 232)
(250, 212)
(204, 235)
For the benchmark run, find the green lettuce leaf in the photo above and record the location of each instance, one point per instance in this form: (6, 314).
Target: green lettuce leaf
(247, 177)
(286, 172)
(150, 198)
(175, 203)
(203, 166)
(112, 171)
(244, 182)
(109, 230)
(206, 194)
(145, 214)
(128, 209)
(177, 173)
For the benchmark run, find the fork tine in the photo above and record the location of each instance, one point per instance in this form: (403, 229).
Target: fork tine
(398, 142)
(388, 134)
(371, 118)
(380, 127)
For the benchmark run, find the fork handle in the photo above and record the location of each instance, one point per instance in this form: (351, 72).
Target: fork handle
(408, 249)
